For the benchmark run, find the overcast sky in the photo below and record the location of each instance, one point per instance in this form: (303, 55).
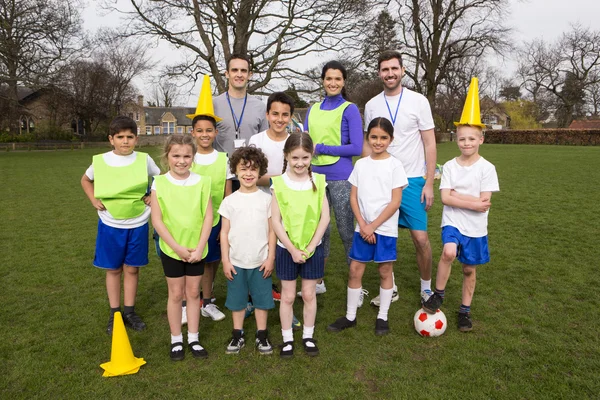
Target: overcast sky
(530, 19)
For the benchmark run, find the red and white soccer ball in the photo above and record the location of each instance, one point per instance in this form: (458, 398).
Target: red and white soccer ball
(430, 325)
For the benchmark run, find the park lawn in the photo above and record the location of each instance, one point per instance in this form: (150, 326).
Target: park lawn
(535, 334)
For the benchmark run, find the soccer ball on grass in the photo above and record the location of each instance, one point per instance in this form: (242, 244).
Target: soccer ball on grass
(430, 325)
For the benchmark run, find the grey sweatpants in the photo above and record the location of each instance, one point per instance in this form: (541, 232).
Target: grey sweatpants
(338, 196)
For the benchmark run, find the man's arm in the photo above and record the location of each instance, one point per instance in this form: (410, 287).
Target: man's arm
(428, 137)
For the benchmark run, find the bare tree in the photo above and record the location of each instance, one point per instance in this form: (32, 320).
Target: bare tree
(165, 93)
(274, 32)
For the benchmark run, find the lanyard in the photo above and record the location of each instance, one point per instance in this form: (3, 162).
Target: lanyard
(397, 108)
(237, 122)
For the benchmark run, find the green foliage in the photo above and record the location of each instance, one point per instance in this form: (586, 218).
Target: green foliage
(49, 131)
(586, 137)
(523, 114)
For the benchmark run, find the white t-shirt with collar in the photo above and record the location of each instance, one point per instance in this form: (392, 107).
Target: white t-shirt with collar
(273, 151)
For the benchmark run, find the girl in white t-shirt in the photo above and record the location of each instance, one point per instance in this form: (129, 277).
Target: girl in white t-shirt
(377, 183)
(182, 216)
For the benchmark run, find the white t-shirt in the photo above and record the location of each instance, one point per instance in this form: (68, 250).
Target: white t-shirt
(375, 180)
(274, 152)
(115, 160)
(471, 180)
(208, 159)
(414, 116)
(248, 215)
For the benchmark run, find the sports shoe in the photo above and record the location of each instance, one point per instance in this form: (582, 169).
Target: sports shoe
(376, 301)
(263, 345)
(235, 343)
(199, 353)
(111, 322)
(213, 312)
(183, 315)
(432, 304)
(320, 289)
(340, 324)
(134, 321)
(249, 310)
(296, 325)
(177, 353)
(464, 322)
(361, 298)
(276, 293)
(381, 327)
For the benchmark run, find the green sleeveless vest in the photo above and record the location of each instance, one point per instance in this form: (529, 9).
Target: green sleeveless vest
(217, 172)
(121, 188)
(326, 127)
(300, 209)
(183, 210)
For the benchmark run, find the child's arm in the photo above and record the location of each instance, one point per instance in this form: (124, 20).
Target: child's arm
(196, 254)
(265, 180)
(298, 256)
(228, 188)
(321, 228)
(359, 218)
(228, 268)
(162, 230)
(268, 265)
(481, 204)
(386, 214)
(88, 188)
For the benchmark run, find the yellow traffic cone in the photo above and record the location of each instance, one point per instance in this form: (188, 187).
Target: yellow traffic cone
(122, 361)
(471, 114)
(205, 103)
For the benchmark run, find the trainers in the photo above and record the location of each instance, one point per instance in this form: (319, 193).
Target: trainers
(340, 324)
(263, 345)
(381, 327)
(177, 353)
(236, 343)
(432, 304)
(311, 350)
(375, 301)
(296, 325)
(287, 350)
(464, 322)
(197, 350)
(134, 321)
(249, 310)
(276, 293)
(319, 290)
(111, 322)
(361, 298)
(183, 315)
(213, 312)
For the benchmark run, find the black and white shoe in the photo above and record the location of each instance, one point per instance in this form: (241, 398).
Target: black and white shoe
(177, 353)
(340, 324)
(381, 327)
(310, 347)
(287, 350)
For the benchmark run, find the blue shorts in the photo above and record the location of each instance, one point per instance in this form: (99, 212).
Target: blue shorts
(214, 244)
(116, 246)
(469, 251)
(384, 249)
(249, 281)
(288, 270)
(412, 212)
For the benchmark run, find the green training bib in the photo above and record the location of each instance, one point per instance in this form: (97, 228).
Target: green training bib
(217, 172)
(325, 126)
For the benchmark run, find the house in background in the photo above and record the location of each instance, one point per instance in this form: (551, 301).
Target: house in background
(159, 120)
(493, 114)
(585, 124)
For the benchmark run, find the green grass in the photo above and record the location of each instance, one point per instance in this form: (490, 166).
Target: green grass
(535, 308)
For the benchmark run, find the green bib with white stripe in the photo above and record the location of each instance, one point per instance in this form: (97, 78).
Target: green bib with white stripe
(217, 172)
(325, 126)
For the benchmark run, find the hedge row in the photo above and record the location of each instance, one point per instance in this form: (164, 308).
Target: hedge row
(574, 137)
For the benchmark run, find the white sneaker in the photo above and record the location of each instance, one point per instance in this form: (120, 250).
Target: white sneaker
(319, 290)
(183, 315)
(375, 302)
(213, 312)
(361, 298)
(425, 296)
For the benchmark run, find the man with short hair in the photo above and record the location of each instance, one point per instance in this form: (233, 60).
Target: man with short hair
(414, 146)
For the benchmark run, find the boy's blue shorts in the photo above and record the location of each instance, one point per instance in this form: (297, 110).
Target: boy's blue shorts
(384, 249)
(116, 246)
(288, 270)
(214, 244)
(249, 281)
(412, 212)
(469, 251)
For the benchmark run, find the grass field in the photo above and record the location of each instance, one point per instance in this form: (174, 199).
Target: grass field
(535, 308)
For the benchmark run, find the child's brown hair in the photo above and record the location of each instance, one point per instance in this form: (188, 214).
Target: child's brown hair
(249, 155)
(184, 140)
(299, 140)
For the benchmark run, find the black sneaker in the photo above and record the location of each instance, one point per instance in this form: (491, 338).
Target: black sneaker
(236, 343)
(111, 322)
(433, 303)
(464, 322)
(200, 353)
(289, 353)
(177, 353)
(340, 324)
(263, 344)
(381, 327)
(134, 321)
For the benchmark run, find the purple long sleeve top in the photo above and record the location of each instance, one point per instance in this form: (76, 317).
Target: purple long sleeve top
(352, 140)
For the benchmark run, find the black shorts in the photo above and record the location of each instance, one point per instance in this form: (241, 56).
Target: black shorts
(176, 268)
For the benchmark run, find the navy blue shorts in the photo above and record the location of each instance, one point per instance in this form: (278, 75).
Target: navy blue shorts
(384, 249)
(116, 246)
(288, 270)
(249, 281)
(174, 268)
(470, 251)
(214, 244)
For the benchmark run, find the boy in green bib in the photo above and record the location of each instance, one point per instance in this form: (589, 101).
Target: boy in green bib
(116, 184)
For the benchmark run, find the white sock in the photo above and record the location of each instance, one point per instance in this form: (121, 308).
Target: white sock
(307, 333)
(288, 336)
(425, 285)
(385, 299)
(394, 282)
(177, 339)
(352, 305)
(193, 337)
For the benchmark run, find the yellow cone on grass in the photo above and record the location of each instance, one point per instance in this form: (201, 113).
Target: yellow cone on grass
(122, 361)
(471, 114)
(205, 103)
